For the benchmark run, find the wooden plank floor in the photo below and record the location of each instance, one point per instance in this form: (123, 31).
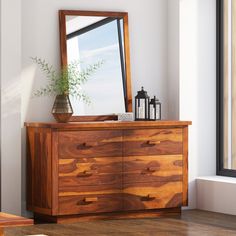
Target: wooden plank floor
(191, 223)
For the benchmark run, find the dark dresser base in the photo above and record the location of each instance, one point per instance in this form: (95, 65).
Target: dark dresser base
(108, 216)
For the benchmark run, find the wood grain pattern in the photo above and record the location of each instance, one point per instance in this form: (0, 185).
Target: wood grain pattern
(90, 144)
(55, 172)
(67, 183)
(185, 166)
(90, 171)
(153, 168)
(93, 13)
(127, 64)
(155, 195)
(93, 118)
(100, 165)
(99, 203)
(171, 134)
(152, 142)
(63, 47)
(191, 223)
(9, 220)
(141, 214)
(111, 125)
(65, 191)
(30, 167)
(63, 44)
(39, 168)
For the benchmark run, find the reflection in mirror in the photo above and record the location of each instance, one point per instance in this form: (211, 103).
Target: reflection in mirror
(227, 57)
(92, 39)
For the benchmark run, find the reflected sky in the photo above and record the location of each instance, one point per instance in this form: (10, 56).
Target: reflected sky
(105, 87)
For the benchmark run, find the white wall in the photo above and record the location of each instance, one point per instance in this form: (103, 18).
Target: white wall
(40, 37)
(148, 40)
(198, 86)
(173, 59)
(10, 53)
(149, 61)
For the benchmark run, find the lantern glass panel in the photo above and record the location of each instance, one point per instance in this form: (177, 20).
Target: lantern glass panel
(141, 108)
(142, 105)
(154, 109)
(152, 112)
(158, 111)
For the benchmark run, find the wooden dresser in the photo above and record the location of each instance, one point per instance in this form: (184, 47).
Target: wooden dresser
(90, 170)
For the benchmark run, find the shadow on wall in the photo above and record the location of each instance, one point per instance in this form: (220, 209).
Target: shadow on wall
(11, 95)
(10, 142)
(27, 77)
(32, 109)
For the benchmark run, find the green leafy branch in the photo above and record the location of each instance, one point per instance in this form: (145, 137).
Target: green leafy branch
(68, 81)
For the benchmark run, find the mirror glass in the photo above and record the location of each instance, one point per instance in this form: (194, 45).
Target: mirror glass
(228, 86)
(93, 39)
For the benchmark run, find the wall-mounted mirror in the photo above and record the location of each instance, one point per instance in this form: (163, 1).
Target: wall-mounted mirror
(92, 37)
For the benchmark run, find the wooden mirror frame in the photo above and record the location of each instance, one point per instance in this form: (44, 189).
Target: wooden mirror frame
(63, 48)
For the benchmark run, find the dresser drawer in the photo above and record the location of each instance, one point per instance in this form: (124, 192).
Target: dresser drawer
(153, 142)
(77, 144)
(153, 168)
(89, 189)
(97, 171)
(96, 203)
(154, 195)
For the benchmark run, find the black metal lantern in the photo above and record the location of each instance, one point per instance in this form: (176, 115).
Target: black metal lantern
(154, 109)
(142, 105)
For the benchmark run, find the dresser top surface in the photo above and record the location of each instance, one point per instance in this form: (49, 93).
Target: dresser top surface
(110, 124)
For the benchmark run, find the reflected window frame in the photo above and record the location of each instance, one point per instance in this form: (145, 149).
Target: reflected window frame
(107, 20)
(220, 84)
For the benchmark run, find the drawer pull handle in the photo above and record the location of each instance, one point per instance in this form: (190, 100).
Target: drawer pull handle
(148, 198)
(84, 146)
(90, 199)
(87, 201)
(148, 171)
(153, 143)
(85, 174)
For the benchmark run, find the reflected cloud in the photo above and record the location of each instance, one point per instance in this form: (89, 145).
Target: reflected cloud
(96, 52)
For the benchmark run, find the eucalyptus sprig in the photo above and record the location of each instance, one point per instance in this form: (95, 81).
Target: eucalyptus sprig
(67, 81)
